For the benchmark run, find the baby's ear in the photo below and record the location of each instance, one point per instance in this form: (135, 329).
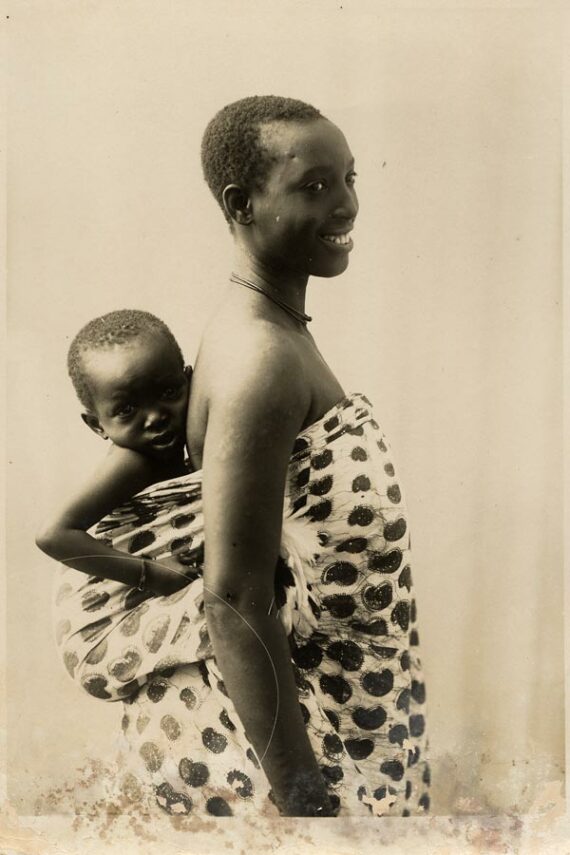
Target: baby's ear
(92, 422)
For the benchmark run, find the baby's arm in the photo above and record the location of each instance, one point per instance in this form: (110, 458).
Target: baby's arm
(64, 537)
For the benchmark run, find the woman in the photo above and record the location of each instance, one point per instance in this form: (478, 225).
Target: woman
(333, 723)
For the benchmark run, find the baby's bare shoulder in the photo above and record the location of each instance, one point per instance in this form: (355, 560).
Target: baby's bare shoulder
(127, 466)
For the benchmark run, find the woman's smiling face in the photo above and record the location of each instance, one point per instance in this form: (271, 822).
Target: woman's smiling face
(302, 216)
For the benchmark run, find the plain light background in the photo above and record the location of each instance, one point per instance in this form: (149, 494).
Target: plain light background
(448, 318)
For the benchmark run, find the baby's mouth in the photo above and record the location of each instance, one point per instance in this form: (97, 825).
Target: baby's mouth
(165, 440)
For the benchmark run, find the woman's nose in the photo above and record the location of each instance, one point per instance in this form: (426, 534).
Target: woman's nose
(347, 204)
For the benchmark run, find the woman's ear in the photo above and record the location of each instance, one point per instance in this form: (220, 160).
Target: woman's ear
(237, 204)
(92, 422)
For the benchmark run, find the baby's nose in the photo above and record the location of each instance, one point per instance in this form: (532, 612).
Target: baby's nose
(155, 417)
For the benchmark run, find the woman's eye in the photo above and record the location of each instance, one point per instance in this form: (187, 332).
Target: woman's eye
(316, 186)
(351, 178)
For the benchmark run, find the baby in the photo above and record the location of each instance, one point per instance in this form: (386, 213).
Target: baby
(129, 374)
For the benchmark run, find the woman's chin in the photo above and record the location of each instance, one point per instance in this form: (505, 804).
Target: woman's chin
(330, 270)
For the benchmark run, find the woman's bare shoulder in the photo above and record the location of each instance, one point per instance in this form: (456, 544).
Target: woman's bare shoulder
(259, 354)
(247, 378)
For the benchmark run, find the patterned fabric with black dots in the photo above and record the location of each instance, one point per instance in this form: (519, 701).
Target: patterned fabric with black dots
(355, 650)
(361, 667)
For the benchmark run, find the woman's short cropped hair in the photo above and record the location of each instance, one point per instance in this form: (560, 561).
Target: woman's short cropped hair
(113, 328)
(231, 150)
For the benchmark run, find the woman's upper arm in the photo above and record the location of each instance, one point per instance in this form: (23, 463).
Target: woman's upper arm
(254, 415)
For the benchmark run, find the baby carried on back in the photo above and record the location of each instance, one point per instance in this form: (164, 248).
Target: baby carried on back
(128, 599)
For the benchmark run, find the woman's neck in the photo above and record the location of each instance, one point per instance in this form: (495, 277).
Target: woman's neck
(288, 286)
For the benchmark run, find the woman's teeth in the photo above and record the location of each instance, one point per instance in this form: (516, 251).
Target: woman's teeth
(340, 239)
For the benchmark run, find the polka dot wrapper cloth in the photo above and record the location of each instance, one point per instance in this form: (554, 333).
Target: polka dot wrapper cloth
(344, 592)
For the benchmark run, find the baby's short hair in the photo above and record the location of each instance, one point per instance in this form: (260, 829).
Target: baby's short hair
(113, 328)
(231, 150)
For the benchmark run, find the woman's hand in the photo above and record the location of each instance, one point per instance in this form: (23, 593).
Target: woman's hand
(306, 801)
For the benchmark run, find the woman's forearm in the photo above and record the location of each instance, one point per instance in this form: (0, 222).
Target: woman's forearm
(253, 655)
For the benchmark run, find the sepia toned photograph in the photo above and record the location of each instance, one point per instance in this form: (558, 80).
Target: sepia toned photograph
(284, 445)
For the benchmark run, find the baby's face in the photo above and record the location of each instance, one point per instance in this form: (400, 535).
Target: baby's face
(140, 395)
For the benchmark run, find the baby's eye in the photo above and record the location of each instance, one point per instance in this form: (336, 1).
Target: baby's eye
(171, 392)
(124, 411)
(316, 186)
(351, 178)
